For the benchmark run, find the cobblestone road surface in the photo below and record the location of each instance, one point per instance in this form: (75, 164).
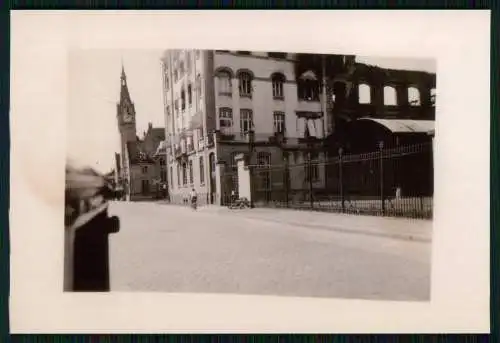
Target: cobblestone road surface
(174, 249)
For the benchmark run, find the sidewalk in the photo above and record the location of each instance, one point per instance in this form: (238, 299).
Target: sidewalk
(397, 228)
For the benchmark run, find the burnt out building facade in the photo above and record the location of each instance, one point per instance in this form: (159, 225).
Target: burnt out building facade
(373, 105)
(385, 119)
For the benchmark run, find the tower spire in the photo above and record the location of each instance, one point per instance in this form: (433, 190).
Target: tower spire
(123, 69)
(123, 75)
(124, 93)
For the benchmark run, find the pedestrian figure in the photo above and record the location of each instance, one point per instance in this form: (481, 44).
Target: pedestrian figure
(398, 192)
(193, 197)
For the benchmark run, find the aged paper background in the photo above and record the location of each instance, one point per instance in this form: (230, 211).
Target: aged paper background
(40, 44)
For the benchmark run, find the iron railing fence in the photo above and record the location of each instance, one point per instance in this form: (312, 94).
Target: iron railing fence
(392, 182)
(183, 199)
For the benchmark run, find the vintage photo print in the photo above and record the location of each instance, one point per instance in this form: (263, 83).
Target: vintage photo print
(295, 177)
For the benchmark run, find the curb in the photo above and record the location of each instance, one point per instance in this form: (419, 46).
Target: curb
(400, 236)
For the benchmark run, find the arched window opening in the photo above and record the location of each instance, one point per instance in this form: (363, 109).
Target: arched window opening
(224, 83)
(364, 94)
(308, 87)
(278, 80)
(390, 98)
(245, 84)
(414, 96)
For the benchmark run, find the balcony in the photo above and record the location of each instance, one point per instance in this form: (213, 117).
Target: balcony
(231, 135)
(306, 105)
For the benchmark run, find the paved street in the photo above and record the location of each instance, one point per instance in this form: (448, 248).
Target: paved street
(174, 249)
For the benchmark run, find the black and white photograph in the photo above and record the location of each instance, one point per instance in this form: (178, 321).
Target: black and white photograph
(326, 174)
(251, 172)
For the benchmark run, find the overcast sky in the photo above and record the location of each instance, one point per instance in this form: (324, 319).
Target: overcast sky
(94, 88)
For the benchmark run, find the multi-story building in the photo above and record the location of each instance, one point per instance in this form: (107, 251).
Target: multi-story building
(274, 107)
(139, 171)
(216, 102)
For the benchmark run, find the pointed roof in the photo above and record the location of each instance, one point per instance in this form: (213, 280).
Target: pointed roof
(124, 93)
(123, 71)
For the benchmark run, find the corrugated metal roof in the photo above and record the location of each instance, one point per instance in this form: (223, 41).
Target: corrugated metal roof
(404, 125)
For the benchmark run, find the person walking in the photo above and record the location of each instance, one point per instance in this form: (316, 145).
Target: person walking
(193, 197)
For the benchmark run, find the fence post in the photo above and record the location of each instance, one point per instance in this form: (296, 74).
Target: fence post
(286, 177)
(310, 177)
(341, 180)
(251, 140)
(382, 195)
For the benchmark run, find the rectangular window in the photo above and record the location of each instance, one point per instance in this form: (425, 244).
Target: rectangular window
(277, 88)
(245, 86)
(202, 171)
(145, 170)
(190, 95)
(225, 118)
(178, 175)
(184, 174)
(279, 122)
(183, 99)
(191, 176)
(246, 120)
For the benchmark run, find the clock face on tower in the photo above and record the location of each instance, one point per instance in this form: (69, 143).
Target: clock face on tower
(127, 116)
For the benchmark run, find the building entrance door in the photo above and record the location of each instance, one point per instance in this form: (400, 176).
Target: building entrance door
(145, 187)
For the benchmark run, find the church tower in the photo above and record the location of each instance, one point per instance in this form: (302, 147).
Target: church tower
(125, 114)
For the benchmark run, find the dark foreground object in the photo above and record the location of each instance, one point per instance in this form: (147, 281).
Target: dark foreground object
(91, 254)
(87, 229)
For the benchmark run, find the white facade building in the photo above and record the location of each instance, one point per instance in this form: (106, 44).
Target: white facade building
(232, 93)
